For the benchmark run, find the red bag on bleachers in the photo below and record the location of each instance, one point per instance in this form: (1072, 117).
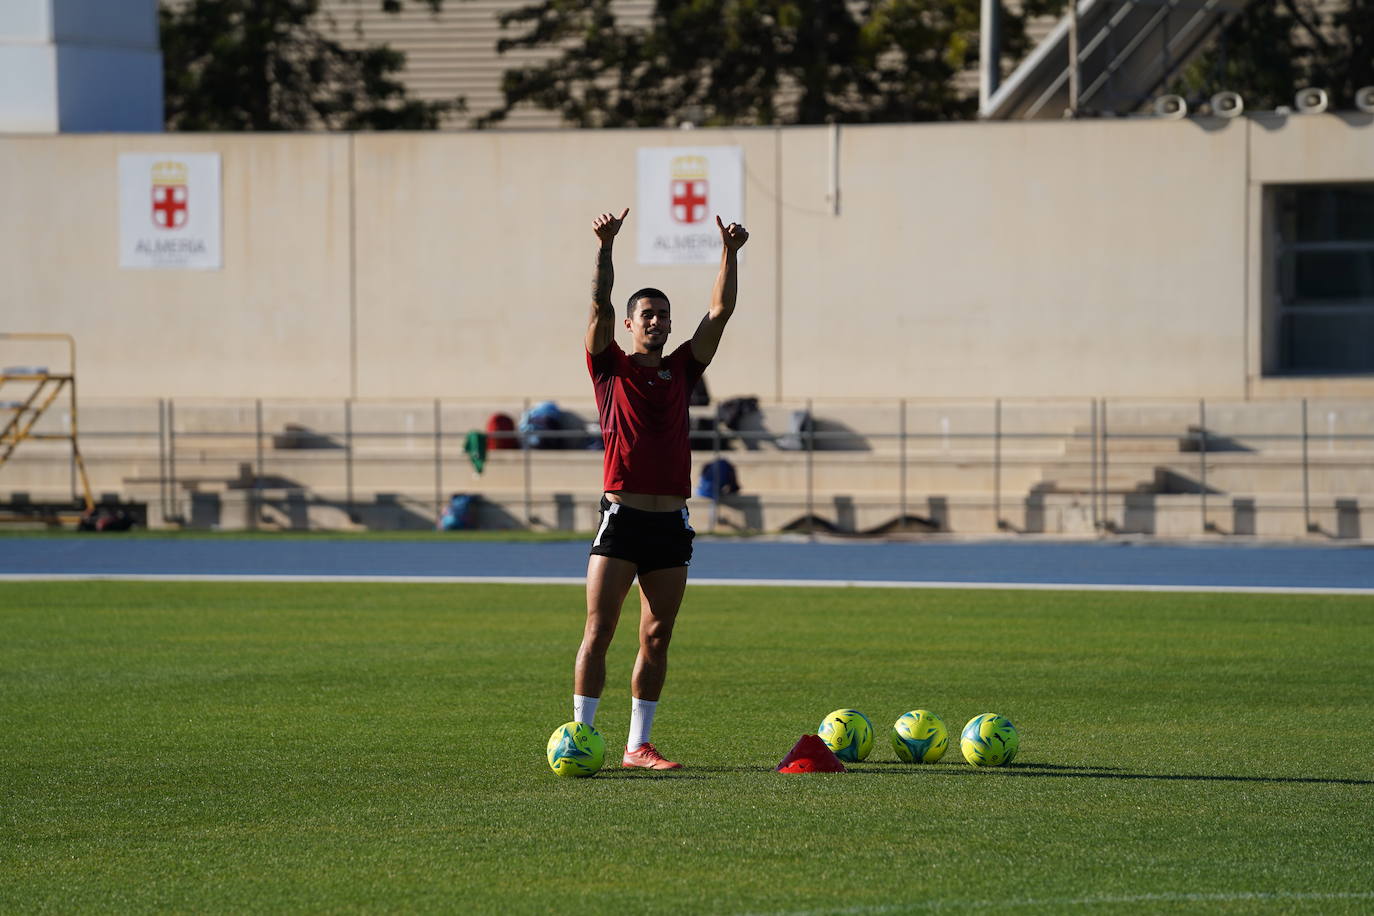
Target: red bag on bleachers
(501, 432)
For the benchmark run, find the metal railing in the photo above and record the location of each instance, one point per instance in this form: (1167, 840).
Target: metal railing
(1098, 465)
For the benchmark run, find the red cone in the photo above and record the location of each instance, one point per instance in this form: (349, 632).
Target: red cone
(810, 755)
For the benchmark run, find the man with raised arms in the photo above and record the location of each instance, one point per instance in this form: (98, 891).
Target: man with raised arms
(644, 532)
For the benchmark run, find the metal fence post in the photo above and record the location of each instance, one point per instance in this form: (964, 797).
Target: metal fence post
(525, 455)
(997, 464)
(1092, 461)
(256, 507)
(438, 461)
(348, 459)
(72, 453)
(172, 457)
(808, 431)
(162, 458)
(1202, 458)
(715, 503)
(1306, 493)
(901, 464)
(1106, 520)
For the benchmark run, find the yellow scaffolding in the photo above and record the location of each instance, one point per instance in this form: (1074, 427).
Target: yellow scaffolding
(24, 414)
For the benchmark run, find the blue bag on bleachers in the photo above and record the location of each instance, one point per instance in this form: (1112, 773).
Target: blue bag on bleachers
(718, 478)
(458, 515)
(543, 417)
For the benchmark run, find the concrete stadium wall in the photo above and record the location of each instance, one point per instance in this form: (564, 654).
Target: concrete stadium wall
(1096, 258)
(274, 321)
(476, 256)
(993, 258)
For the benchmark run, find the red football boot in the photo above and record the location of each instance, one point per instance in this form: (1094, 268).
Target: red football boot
(647, 757)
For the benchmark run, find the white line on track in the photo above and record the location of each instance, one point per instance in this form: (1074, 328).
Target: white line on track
(578, 580)
(1030, 902)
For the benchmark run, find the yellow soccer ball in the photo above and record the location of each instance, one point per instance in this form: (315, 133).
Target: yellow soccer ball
(848, 733)
(576, 749)
(920, 736)
(989, 740)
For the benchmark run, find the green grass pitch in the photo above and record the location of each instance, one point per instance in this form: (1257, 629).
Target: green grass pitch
(345, 748)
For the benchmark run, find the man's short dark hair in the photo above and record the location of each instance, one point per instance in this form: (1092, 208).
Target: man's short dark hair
(647, 292)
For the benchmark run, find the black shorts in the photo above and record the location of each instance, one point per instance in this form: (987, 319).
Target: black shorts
(650, 540)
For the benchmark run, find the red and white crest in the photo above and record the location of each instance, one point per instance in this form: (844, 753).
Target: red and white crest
(171, 182)
(689, 200)
(689, 189)
(169, 206)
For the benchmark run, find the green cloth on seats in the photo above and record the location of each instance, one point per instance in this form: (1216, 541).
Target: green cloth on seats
(475, 445)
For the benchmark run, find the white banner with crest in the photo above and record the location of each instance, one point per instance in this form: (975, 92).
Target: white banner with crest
(681, 191)
(169, 211)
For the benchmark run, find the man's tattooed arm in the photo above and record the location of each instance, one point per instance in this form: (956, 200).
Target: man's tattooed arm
(601, 326)
(604, 277)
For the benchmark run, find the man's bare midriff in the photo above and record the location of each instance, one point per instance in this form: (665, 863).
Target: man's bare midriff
(647, 502)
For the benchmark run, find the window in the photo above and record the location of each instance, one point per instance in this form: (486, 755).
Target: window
(1323, 269)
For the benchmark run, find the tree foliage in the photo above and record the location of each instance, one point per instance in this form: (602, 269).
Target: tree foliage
(1277, 47)
(266, 65)
(716, 62)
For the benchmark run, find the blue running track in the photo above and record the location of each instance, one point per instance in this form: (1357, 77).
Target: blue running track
(1108, 564)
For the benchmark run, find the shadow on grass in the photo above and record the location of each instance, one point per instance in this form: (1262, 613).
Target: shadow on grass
(1058, 771)
(898, 764)
(1035, 769)
(696, 773)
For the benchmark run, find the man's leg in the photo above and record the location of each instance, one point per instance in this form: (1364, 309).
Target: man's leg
(660, 597)
(608, 582)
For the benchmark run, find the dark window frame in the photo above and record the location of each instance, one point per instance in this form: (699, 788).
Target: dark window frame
(1341, 324)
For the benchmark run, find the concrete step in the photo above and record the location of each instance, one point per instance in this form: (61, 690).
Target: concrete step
(1264, 515)
(1083, 484)
(404, 469)
(1150, 440)
(1335, 475)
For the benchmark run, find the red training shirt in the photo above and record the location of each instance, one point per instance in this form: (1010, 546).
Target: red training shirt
(644, 419)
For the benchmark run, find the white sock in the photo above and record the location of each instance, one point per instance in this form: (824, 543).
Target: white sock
(584, 709)
(641, 721)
